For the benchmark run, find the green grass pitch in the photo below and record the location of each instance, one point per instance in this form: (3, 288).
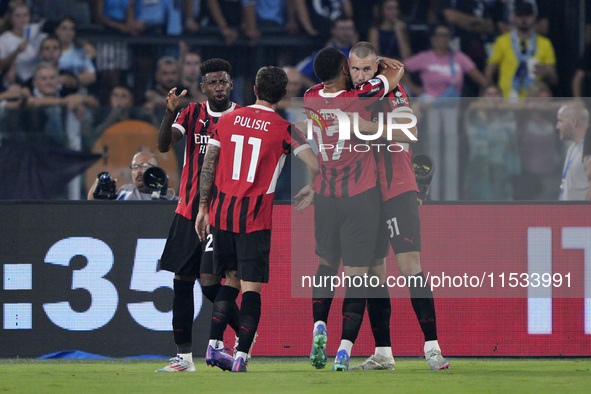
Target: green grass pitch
(280, 375)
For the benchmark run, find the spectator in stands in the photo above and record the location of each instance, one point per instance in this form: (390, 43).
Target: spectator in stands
(190, 76)
(50, 51)
(113, 56)
(158, 16)
(493, 161)
(74, 58)
(539, 147)
(192, 13)
(19, 45)
(572, 123)
(136, 191)
(522, 56)
(277, 14)
(232, 15)
(442, 72)
(318, 17)
(506, 15)
(166, 78)
(441, 69)
(343, 36)
(472, 24)
(390, 35)
(121, 107)
(49, 105)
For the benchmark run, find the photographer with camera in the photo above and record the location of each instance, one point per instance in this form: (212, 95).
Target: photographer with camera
(149, 182)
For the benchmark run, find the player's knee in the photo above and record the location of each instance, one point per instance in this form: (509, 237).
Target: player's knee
(209, 279)
(409, 263)
(378, 270)
(186, 278)
(232, 280)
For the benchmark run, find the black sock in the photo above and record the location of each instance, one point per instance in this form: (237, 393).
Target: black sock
(183, 309)
(421, 298)
(222, 311)
(353, 309)
(322, 295)
(379, 310)
(250, 314)
(211, 292)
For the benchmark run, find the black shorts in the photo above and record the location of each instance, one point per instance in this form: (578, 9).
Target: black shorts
(183, 253)
(347, 228)
(245, 253)
(400, 225)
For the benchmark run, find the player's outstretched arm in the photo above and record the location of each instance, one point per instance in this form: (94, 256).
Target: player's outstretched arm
(167, 136)
(205, 183)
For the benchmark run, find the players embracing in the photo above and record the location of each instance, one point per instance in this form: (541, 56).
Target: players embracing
(397, 221)
(399, 226)
(347, 199)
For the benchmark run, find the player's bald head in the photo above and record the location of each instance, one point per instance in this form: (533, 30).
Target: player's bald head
(363, 49)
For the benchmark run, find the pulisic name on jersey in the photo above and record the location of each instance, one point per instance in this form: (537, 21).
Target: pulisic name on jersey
(256, 124)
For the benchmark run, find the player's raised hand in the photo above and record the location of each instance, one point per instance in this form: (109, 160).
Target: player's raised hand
(172, 100)
(386, 62)
(304, 198)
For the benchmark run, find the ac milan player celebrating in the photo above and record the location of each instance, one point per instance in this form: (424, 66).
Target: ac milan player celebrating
(400, 224)
(346, 200)
(183, 253)
(246, 154)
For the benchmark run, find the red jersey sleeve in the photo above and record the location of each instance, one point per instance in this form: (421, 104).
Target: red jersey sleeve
(181, 122)
(377, 87)
(296, 141)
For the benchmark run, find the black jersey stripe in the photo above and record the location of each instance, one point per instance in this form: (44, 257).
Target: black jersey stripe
(257, 206)
(218, 212)
(243, 214)
(389, 170)
(324, 180)
(230, 214)
(358, 170)
(345, 181)
(332, 182)
(191, 146)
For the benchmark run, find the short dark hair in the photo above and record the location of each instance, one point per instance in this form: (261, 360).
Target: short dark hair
(363, 49)
(328, 64)
(215, 65)
(271, 84)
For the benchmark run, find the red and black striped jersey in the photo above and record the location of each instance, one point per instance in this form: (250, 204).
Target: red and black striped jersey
(196, 122)
(253, 142)
(395, 171)
(347, 166)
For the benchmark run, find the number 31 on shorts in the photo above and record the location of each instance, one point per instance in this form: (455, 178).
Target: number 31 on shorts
(393, 227)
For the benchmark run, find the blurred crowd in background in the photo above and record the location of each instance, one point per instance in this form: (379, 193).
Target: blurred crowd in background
(75, 71)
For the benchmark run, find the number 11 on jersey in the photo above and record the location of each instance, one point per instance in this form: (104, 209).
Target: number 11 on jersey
(254, 158)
